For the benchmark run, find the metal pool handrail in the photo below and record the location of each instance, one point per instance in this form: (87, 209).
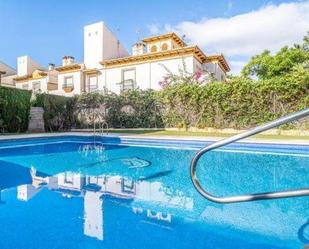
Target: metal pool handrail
(101, 127)
(256, 196)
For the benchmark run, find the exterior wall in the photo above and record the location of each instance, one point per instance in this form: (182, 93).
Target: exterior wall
(197, 66)
(42, 82)
(25, 65)
(50, 81)
(112, 47)
(100, 44)
(170, 45)
(215, 69)
(53, 76)
(93, 44)
(138, 49)
(7, 69)
(147, 75)
(8, 80)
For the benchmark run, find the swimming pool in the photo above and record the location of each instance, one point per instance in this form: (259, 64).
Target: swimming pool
(74, 192)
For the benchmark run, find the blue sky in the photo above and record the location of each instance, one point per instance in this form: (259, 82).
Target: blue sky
(47, 30)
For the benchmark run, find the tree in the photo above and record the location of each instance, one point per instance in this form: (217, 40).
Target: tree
(267, 66)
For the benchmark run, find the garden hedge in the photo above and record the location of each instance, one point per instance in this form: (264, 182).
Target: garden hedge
(240, 103)
(58, 111)
(14, 109)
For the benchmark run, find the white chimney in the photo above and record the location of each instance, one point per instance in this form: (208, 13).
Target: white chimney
(138, 48)
(51, 66)
(67, 60)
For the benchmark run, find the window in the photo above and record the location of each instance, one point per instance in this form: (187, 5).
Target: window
(127, 85)
(164, 47)
(68, 82)
(127, 186)
(153, 49)
(36, 86)
(128, 79)
(68, 178)
(25, 86)
(92, 83)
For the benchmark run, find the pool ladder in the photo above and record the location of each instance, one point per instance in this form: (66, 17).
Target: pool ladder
(256, 196)
(101, 126)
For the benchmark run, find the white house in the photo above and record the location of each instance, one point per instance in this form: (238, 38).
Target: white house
(153, 58)
(99, 44)
(107, 66)
(32, 76)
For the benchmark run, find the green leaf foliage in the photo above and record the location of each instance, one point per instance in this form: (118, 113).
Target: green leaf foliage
(14, 109)
(58, 111)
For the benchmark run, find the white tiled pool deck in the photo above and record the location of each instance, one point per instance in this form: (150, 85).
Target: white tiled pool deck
(122, 135)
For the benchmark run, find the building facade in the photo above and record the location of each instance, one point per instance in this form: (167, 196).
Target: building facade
(108, 67)
(32, 76)
(7, 75)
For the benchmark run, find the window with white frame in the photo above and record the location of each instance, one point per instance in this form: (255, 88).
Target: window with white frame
(68, 82)
(36, 86)
(92, 83)
(128, 79)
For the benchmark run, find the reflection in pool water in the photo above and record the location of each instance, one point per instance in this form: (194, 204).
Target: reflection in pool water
(52, 199)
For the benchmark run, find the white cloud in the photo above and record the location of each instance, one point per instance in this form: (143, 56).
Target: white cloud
(269, 27)
(154, 28)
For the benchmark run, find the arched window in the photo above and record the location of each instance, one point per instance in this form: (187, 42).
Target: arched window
(153, 49)
(164, 47)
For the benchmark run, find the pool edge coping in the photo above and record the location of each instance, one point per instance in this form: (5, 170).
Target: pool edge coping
(153, 138)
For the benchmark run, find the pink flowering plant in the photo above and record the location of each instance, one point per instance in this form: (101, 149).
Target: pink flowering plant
(200, 77)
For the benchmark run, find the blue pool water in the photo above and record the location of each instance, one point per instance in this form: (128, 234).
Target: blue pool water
(72, 192)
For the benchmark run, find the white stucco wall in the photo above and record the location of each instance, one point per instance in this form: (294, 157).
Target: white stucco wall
(100, 44)
(52, 77)
(26, 65)
(171, 44)
(42, 82)
(147, 75)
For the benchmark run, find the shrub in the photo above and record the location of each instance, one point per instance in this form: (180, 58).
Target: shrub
(58, 111)
(240, 103)
(130, 109)
(14, 109)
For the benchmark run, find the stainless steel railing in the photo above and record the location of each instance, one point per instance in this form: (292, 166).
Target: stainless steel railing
(256, 196)
(100, 125)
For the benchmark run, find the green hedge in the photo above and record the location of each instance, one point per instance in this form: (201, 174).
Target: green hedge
(58, 111)
(241, 103)
(131, 109)
(14, 109)
(134, 109)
